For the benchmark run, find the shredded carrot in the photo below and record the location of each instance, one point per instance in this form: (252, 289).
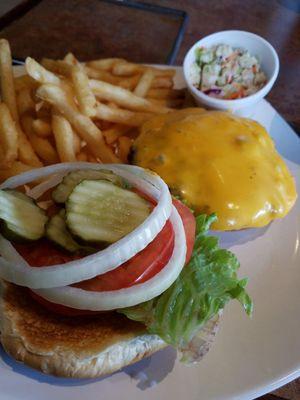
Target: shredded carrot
(236, 95)
(233, 96)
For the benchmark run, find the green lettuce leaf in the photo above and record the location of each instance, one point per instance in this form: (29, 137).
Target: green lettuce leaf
(200, 292)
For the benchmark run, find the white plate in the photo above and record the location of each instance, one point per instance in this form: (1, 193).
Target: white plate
(250, 357)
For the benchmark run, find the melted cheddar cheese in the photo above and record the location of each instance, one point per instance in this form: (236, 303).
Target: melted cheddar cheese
(217, 162)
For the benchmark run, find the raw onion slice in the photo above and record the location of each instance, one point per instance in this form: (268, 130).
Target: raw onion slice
(102, 261)
(38, 190)
(113, 299)
(9, 253)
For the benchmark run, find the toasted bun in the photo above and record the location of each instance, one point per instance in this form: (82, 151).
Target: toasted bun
(77, 347)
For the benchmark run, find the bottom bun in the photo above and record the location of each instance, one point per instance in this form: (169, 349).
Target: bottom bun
(82, 346)
(77, 347)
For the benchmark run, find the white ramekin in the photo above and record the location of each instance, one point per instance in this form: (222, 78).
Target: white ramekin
(257, 46)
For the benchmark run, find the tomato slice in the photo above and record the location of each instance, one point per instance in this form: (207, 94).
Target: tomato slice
(138, 269)
(149, 261)
(189, 224)
(44, 253)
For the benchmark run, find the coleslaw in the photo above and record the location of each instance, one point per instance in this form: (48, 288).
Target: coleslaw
(225, 72)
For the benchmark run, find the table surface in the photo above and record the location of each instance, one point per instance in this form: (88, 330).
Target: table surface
(277, 21)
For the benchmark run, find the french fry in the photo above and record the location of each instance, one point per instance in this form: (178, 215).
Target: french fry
(63, 134)
(39, 73)
(70, 93)
(57, 66)
(41, 127)
(43, 109)
(165, 93)
(88, 131)
(52, 112)
(82, 156)
(129, 82)
(8, 137)
(7, 81)
(25, 102)
(69, 58)
(26, 153)
(76, 142)
(125, 68)
(24, 81)
(162, 82)
(113, 105)
(103, 125)
(120, 116)
(16, 168)
(42, 146)
(102, 75)
(157, 83)
(84, 94)
(105, 64)
(124, 145)
(144, 84)
(91, 158)
(164, 72)
(44, 149)
(112, 134)
(170, 103)
(123, 97)
(106, 76)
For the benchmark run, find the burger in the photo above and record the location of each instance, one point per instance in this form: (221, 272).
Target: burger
(216, 162)
(100, 266)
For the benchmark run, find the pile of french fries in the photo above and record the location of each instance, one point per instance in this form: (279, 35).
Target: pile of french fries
(65, 111)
